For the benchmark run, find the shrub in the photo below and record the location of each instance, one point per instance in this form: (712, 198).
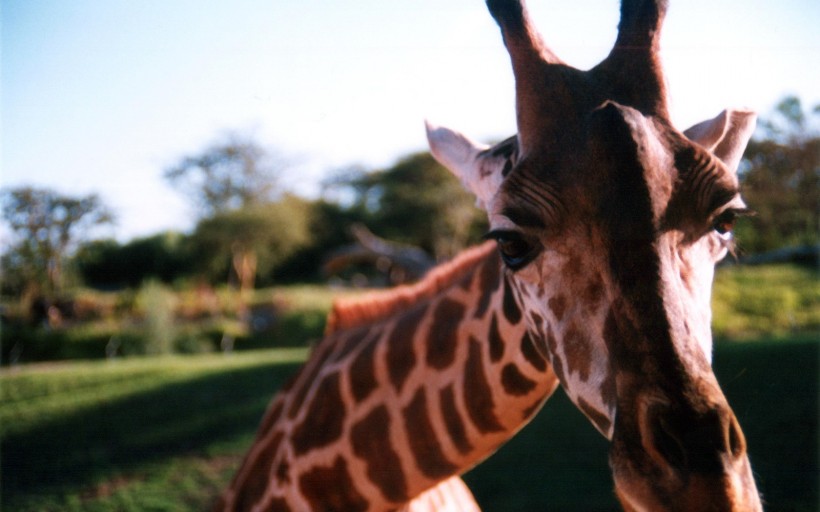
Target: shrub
(156, 303)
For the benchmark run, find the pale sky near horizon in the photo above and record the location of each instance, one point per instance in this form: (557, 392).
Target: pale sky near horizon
(102, 95)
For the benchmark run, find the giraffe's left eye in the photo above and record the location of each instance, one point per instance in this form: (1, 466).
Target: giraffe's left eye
(724, 223)
(515, 249)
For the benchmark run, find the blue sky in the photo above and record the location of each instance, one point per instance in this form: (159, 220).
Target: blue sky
(102, 95)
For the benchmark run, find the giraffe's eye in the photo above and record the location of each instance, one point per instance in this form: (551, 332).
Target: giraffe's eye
(516, 250)
(724, 223)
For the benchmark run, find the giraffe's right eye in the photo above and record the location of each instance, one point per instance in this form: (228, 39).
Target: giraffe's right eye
(516, 250)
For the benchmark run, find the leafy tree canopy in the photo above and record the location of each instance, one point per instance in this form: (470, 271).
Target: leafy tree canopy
(106, 263)
(780, 176)
(252, 239)
(232, 173)
(416, 201)
(45, 226)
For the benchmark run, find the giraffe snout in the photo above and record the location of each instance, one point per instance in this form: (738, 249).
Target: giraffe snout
(687, 457)
(706, 442)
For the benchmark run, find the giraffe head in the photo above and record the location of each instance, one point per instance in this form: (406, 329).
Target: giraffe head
(610, 222)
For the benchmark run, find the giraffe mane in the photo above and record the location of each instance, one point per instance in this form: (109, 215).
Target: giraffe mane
(378, 305)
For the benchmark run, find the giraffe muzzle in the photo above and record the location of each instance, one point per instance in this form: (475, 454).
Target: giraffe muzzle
(683, 457)
(688, 441)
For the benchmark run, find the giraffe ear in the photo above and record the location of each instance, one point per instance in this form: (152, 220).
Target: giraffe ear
(479, 170)
(726, 135)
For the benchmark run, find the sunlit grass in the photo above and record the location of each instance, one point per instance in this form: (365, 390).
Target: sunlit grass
(776, 300)
(133, 434)
(36, 393)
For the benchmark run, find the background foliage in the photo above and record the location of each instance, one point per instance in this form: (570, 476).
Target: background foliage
(780, 179)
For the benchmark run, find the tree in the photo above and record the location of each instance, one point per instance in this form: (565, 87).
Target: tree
(241, 220)
(329, 229)
(416, 202)
(780, 177)
(253, 239)
(106, 263)
(45, 227)
(232, 173)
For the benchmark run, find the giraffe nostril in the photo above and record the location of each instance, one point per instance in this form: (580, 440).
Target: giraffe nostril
(687, 440)
(665, 438)
(737, 441)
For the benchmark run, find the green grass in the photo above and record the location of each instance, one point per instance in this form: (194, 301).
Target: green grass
(142, 434)
(782, 300)
(167, 433)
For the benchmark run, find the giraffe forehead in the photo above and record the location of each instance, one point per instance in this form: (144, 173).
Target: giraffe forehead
(593, 179)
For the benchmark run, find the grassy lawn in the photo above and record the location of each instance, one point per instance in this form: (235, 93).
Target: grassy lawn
(167, 433)
(140, 434)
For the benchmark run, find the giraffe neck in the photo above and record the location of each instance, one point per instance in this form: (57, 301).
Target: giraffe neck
(393, 402)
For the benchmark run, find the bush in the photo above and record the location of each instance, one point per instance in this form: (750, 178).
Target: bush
(156, 303)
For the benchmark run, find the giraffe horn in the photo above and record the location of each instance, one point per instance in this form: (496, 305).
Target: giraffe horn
(633, 67)
(540, 76)
(521, 38)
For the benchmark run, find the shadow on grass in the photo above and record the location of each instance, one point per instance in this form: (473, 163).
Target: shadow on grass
(559, 462)
(79, 449)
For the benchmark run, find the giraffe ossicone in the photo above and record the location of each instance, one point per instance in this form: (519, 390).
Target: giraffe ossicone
(607, 223)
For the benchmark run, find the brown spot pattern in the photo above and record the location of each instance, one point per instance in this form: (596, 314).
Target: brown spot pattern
(509, 305)
(283, 472)
(258, 476)
(278, 505)
(324, 419)
(593, 292)
(401, 358)
(478, 396)
(371, 442)
(306, 377)
(452, 420)
(597, 417)
(496, 343)
(558, 306)
(441, 340)
(253, 488)
(363, 372)
(531, 354)
(489, 279)
(271, 416)
(574, 267)
(331, 489)
(609, 391)
(423, 442)
(557, 364)
(577, 351)
(351, 341)
(514, 382)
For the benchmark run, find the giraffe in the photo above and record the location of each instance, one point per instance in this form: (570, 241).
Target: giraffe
(408, 388)
(605, 226)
